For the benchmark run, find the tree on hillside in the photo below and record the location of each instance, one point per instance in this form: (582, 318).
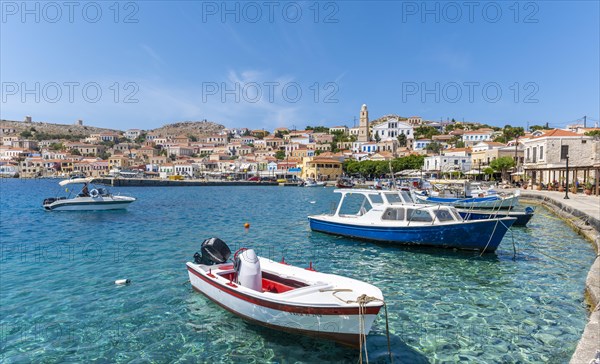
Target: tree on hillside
(538, 127)
(56, 146)
(510, 133)
(434, 147)
(318, 129)
(75, 152)
(593, 133)
(26, 134)
(402, 140)
(425, 132)
(377, 137)
(280, 154)
(502, 165)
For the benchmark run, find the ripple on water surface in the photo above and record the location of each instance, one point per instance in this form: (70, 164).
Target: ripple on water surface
(58, 302)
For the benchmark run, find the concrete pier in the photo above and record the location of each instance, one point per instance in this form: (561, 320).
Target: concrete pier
(583, 213)
(156, 182)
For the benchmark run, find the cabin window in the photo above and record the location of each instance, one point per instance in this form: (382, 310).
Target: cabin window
(376, 199)
(393, 198)
(393, 214)
(418, 215)
(443, 215)
(406, 196)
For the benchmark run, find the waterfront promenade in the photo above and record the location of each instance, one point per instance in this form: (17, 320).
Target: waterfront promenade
(583, 213)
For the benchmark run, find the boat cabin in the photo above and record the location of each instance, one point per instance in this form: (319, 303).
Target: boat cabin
(388, 206)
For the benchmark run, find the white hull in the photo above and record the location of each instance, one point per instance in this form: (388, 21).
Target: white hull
(308, 310)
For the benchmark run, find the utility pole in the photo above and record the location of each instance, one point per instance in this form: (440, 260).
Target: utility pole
(567, 186)
(584, 121)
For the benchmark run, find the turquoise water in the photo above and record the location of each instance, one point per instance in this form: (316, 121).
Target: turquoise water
(58, 302)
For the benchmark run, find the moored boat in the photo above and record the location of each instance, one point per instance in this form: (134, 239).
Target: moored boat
(392, 216)
(522, 217)
(495, 201)
(344, 182)
(90, 198)
(313, 183)
(284, 297)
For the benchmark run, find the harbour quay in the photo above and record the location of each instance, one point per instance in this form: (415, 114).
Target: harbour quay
(583, 214)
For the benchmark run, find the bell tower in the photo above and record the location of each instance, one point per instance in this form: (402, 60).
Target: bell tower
(363, 127)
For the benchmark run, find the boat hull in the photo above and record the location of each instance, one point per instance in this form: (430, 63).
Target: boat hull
(482, 235)
(331, 323)
(89, 204)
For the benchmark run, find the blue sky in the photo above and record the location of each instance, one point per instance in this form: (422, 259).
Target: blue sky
(266, 65)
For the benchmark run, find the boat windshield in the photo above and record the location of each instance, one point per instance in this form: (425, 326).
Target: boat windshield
(393, 198)
(406, 197)
(355, 204)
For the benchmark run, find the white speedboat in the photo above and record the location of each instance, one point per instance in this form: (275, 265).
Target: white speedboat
(393, 217)
(284, 297)
(312, 183)
(89, 198)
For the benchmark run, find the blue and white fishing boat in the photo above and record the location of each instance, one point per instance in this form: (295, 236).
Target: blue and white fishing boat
(522, 217)
(393, 217)
(495, 201)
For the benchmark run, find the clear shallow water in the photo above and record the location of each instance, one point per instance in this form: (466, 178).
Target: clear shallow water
(58, 302)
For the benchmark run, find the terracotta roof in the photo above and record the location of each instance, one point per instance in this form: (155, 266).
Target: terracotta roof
(558, 133)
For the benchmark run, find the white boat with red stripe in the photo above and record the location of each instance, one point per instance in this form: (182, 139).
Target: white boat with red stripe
(284, 297)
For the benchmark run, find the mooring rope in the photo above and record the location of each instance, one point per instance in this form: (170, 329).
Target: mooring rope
(362, 301)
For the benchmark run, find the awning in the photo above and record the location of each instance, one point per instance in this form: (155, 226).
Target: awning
(76, 180)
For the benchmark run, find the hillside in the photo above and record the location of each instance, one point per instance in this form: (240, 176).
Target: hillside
(196, 128)
(189, 128)
(51, 128)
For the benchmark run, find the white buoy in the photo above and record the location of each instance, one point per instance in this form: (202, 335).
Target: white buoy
(313, 201)
(122, 281)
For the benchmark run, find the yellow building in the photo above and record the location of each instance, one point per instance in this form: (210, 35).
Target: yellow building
(321, 168)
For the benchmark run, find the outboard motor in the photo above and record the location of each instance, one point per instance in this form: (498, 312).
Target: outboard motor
(247, 267)
(214, 251)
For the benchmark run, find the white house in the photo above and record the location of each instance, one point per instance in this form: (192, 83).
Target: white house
(391, 129)
(447, 163)
(475, 136)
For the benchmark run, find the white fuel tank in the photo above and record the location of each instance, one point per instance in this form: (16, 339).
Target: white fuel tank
(249, 274)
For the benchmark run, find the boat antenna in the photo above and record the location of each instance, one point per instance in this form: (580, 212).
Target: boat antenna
(392, 173)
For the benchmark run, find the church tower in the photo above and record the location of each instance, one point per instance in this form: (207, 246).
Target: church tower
(363, 127)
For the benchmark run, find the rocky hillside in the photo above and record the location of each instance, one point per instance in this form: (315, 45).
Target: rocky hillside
(51, 128)
(196, 128)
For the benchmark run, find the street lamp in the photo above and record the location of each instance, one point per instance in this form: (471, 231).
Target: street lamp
(567, 179)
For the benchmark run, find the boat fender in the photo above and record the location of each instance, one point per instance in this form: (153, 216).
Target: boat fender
(248, 270)
(122, 281)
(94, 193)
(529, 210)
